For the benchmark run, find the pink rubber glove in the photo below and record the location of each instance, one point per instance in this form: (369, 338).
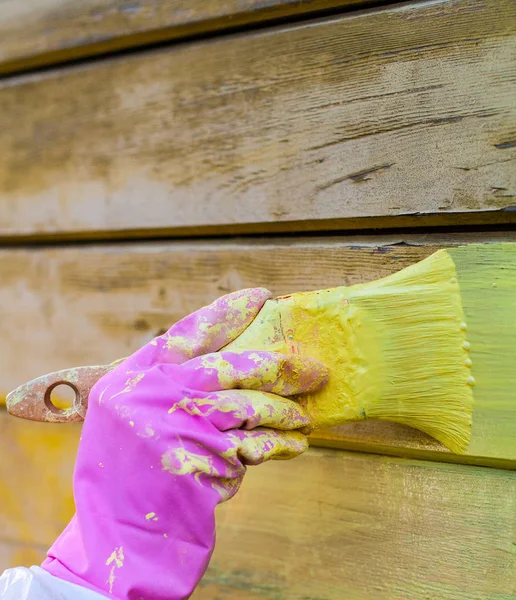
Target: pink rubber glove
(166, 438)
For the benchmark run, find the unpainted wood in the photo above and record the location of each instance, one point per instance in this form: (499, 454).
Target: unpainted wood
(41, 32)
(382, 117)
(334, 525)
(328, 525)
(64, 307)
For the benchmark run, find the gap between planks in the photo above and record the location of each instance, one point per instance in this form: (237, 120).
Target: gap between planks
(498, 221)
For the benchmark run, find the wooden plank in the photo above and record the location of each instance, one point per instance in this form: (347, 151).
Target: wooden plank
(344, 525)
(15, 554)
(42, 32)
(328, 525)
(36, 499)
(62, 307)
(391, 117)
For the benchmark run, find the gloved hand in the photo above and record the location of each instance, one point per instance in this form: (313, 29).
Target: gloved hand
(167, 437)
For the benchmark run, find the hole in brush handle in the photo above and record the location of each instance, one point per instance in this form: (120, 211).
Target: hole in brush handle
(57, 397)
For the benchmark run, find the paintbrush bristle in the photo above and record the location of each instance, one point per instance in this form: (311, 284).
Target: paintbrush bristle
(416, 347)
(425, 378)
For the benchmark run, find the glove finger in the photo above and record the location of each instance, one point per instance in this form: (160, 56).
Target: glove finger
(247, 409)
(264, 371)
(261, 445)
(206, 330)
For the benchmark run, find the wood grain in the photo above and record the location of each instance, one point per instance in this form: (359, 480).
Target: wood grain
(383, 118)
(329, 525)
(42, 32)
(344, 525)
(63, 307)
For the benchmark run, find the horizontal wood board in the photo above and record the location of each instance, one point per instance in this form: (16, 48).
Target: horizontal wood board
(329, 525)
(336, 525)
(398, 116)
(36, 498)
(41, 32)
(63, 307)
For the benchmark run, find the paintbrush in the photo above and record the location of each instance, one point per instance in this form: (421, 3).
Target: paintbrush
(431, 347)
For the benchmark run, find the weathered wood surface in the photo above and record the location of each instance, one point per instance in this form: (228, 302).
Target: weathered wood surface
(329, 525)
(63, 307)
(41, 32)
(344, 525)
(359, 121)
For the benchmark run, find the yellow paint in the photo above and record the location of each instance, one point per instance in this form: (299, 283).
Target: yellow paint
(38, 457)
(116, 560)
(272, 371)
(266, 372)
(487, 277)
(252, 447)
(179, 461)
(239, 310)
(250, 406)
(130, 384)
(26, 556)
(262, 445)
(394, 347)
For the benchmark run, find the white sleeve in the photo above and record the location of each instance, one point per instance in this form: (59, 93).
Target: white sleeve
(36, 584)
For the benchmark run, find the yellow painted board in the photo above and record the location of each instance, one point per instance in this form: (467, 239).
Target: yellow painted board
(36, 499)
(487, 282)
(14, 554)
(62, 307)
(397, 116)
(41, 32)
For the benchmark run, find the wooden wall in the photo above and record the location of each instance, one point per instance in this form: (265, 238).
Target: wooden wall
(157, 155)
(398, 116)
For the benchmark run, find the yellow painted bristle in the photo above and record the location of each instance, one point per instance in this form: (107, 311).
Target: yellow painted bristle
(400, 349)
